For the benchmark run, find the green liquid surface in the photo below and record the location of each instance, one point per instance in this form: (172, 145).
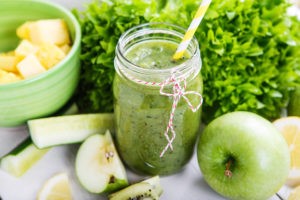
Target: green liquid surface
(142, 115)
(155, 55)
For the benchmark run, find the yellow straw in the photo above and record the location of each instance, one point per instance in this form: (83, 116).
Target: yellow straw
(191, 30)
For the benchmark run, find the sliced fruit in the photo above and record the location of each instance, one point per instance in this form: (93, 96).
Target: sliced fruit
(53, 31)
(30, 66)
(22, 158)
(49, 55)
(23, 31)
(8, 63)
(65, 48)
(46, 132)
(295, 194)
(155, 182)
(290, 128)
(98, 166)
(147, 189)
(25, 48)
(8, 77)
(56, 188)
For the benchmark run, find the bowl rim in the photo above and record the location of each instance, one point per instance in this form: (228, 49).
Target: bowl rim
(74, 48)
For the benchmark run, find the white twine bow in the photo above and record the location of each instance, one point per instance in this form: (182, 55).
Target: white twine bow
(178, 92)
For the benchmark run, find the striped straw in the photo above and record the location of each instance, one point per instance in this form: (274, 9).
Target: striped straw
(191, 30)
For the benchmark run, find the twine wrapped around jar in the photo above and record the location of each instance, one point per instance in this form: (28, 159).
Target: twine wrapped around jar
(178, 92)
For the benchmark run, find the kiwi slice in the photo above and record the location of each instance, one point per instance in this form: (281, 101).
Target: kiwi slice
(149, 189)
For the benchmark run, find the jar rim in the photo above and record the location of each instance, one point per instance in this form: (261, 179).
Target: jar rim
(154, 27)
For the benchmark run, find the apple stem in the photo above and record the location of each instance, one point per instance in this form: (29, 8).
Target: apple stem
(228, 172)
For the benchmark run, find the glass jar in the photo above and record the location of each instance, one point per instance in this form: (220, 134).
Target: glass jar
(156, 100)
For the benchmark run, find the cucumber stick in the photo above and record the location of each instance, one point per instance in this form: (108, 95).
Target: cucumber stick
(52, 131)
(22, 158)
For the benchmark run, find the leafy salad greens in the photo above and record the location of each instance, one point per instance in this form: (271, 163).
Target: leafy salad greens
(250, 51)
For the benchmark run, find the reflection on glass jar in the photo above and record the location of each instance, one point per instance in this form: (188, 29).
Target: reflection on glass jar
(157, 100)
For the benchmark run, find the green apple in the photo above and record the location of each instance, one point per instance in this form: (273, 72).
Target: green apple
(98, 166)
(242, 156)
(294, 104)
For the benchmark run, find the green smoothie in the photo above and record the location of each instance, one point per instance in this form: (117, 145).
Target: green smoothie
(142, 114)
(155, 55)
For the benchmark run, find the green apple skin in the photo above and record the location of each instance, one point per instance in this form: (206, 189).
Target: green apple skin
(251, 148)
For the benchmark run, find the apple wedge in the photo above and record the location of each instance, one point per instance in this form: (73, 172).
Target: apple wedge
(98, 166)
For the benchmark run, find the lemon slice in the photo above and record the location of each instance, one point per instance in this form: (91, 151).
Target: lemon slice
(295, 194)
(290, 128)
(56, 188)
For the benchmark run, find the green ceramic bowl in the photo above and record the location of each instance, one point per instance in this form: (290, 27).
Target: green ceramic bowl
(46, 93)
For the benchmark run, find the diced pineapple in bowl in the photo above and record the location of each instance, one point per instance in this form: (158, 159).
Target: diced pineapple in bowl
(39, 59)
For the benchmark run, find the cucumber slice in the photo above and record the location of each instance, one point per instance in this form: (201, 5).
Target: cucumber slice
(148, 189)
(52, 131)
(22, 158)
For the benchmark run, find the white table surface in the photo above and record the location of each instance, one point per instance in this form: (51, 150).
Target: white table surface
(186, 185)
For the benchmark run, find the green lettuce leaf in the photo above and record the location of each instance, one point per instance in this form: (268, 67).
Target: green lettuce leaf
(250, 51)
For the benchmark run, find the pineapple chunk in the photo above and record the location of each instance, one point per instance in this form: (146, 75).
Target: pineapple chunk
(49, 55)
(8, 77)
(30, 66)
(25, 48)
(23, 31)
(44, 43)
(65, 48)
(8, 62)
(53, 31)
